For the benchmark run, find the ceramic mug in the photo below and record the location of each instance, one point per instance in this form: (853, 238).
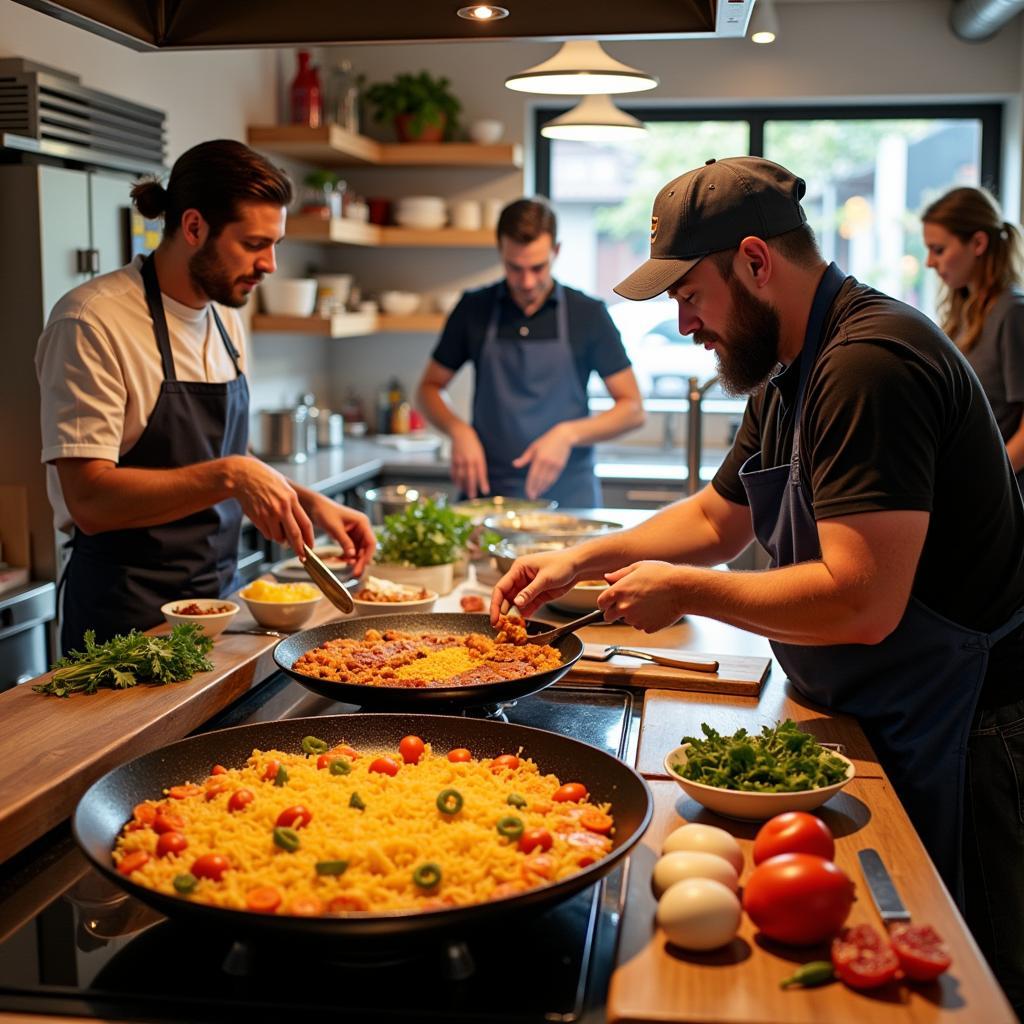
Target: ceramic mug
(467, 215)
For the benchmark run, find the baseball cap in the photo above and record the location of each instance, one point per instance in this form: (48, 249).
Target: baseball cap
(712, 208)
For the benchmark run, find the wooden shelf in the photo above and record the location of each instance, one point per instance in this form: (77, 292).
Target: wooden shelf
(347, 325)
(353, 232)
(333, 145)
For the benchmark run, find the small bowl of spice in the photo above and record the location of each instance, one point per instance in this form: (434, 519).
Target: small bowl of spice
(212, 613)
(383, 597)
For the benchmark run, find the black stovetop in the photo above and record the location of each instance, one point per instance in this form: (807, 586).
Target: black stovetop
(73, 943)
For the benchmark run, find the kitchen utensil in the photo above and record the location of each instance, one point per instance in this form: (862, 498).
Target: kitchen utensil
(109, 803)
(253, 632)
(332, 587)
(551, 635)
(284, 434)
(441, 698)
(882, 888)
(693, 664)
(541, 526)
(384, 501)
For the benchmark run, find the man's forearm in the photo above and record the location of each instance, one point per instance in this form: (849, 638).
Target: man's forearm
(625, 414)
(438, 410)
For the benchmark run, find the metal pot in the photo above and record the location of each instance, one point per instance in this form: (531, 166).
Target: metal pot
(385, 501)
(284, 434)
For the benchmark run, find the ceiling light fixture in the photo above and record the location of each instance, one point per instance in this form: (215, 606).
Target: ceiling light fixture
(594, 119)
(482, 12)
(581, 68)
(764, 23)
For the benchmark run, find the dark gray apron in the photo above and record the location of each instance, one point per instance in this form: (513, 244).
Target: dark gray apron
(119, 579)
(523, 389)
(914, 694)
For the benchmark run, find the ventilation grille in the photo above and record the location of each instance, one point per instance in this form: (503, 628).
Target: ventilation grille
(56, 115)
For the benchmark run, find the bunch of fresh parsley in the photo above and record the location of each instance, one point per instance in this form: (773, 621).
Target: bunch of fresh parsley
(424, 533)
(131, 658)
(781, 760)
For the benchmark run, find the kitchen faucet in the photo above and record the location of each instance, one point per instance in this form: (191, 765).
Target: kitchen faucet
(694, 441)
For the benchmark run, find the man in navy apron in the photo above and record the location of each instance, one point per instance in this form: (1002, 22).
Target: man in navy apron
(871, 469)
(145, 406)
(533, 343)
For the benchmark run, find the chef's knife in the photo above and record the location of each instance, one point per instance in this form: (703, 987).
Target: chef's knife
(881, 887)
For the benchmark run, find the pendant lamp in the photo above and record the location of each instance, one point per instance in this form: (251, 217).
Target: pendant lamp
(594, 119)
(581, 68)
(764, 23)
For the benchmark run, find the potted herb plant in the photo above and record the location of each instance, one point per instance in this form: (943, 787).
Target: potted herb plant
(421, 544)
(422, 108)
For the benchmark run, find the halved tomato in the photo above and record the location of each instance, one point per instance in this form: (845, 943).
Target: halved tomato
(922, 953)
(863, 959)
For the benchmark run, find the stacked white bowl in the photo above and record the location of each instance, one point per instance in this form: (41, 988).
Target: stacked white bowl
(425, 213)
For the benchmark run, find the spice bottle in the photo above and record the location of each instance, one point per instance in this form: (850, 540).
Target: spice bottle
(307, 103)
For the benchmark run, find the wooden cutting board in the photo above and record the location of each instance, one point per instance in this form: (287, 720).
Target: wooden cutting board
(740, 674)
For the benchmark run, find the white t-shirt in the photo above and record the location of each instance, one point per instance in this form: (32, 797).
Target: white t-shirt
(100, 372)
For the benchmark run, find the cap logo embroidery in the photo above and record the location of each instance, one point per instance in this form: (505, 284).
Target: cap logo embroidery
(654, 229)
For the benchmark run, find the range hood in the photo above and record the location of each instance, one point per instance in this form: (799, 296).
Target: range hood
(208, 24)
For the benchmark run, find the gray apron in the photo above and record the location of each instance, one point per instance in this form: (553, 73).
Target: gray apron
(914, 694)
(118, 579)
(523, 389)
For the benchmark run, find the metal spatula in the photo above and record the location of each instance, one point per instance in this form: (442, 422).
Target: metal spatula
(332, 587)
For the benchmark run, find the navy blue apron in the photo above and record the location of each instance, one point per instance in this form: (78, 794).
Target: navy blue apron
(523, 389)
(915, 693)
(119, 579)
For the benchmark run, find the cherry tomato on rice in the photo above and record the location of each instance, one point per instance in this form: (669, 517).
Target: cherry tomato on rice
(503, 762)
(922, 954)
(270, 772)
(210, 865)
(167, 821)
(534, 838)
(240, 799)
(294, 817)
(344, 750)
(264, 900)
(145, 814)
(794, 832)
(411, 748)
(384, 765)
(798, 898)
(597, 821)
(170, 842)
(183, 792)
(306, 906)
(862, 958)
(323, 761)
(346, 901)
(218, 769)
(571, 792)
(459, 754)
(132, 862)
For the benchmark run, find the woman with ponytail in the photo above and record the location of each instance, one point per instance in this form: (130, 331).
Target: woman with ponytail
(978, 256)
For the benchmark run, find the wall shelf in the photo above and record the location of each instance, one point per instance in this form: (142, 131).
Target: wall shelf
(332, 145)
(347, 325)
(340, 231)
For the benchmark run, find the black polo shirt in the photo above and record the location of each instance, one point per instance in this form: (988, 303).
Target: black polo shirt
(593, 337)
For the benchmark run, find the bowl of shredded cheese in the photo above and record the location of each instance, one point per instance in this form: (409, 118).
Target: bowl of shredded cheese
(280, 605)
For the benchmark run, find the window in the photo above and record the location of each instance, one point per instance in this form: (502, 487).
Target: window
(869, 172)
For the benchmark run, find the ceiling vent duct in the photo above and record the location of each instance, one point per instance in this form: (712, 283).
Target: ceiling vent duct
(975, 20)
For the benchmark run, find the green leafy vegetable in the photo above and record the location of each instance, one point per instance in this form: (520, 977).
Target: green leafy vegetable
(781, 760)
(423, 534)
(131, 658)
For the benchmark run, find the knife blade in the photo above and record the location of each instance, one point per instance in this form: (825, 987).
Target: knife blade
(882, 888)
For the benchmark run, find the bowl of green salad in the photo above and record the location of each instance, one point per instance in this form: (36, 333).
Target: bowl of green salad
(754, 777)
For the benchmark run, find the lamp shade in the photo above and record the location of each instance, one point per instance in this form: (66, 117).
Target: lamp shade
(764, 23)
(594, 119)
(581, 68)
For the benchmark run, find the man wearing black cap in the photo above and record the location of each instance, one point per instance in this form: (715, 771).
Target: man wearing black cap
(895, 593)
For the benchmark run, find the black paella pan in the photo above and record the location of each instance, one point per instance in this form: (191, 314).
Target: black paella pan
(108, 804)
(434, 698)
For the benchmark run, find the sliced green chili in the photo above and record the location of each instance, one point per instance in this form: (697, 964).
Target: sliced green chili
(339, 766)
(427, 876)
(449, 801)
(313, 745)
(817, 972)
(356, 801)
(185, 883)
(510, 827)
(331, 867)
(287, 838)
(281, 777)
(516, 800)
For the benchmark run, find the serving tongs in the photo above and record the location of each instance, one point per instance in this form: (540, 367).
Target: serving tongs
(558, 632)
(332, 587)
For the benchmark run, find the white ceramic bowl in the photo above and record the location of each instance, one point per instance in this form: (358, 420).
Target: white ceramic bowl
(288, 296)
(581, 599)
(746, 806)
(213, 624)
(337, 287)
(421, 204)
(399, 303)
(439, 578)
(281, 614)
(421, 221)
(424, 604)
(486, 131)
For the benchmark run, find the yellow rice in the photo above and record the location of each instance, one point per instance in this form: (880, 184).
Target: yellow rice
(399, 830)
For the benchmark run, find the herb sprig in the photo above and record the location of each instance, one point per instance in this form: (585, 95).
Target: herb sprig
(781, 760)
(424, 533)
(131, 658)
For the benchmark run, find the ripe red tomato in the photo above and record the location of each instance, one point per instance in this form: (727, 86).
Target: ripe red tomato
(170, 842)
(794, 832)
(862, 958)
(798, 898)
(411, 748)
(210, 865)
(384, 765)
(168, 822)
(459, 755)
(534, 838)
(240, 799)
(922, 953)
(294, 817)
(571, 792)
(504, 761)
(132, 862)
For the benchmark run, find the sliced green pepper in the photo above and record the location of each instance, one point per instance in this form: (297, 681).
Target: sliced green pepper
(281, 777)
(313, 745)
(339, 766)
(356, 801)
(817, 972)
(515, 800)
(427, 876)
(510, 827)
(449, 801)
(287, 838)
(185, 883)
(331, 867)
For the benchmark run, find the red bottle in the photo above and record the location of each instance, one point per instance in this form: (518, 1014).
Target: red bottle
(306, 94)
